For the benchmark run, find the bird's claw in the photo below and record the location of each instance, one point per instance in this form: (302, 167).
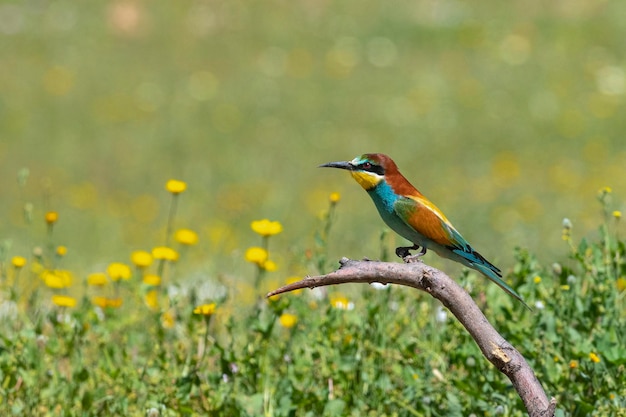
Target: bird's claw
(404, 252)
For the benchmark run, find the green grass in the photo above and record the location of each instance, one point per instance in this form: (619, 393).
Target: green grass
(506, 115)
(345, 351)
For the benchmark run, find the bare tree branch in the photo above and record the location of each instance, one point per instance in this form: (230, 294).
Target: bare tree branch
(433, 281)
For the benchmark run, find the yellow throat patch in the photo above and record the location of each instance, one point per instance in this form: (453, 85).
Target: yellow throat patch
(366, 179)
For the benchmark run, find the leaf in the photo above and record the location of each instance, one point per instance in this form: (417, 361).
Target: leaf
(334, 407)
(87, 400)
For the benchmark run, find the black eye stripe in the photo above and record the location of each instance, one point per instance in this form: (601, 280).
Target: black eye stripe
(369, 167)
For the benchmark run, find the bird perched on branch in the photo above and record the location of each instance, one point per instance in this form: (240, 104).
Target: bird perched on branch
(414, 217)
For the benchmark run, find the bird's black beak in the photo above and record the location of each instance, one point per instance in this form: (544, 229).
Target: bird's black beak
(340, 165)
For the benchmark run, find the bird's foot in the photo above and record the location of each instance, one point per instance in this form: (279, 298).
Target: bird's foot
(404, 252)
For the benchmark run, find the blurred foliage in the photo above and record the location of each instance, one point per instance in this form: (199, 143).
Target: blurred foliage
(509, 115)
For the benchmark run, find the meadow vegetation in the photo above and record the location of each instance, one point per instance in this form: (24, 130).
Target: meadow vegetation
(133, 339)
(158, 178)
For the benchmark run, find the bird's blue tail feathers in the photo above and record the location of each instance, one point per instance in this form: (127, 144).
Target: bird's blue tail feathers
(478, 262)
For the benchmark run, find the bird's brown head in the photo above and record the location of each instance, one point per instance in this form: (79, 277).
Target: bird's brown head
(368, 169)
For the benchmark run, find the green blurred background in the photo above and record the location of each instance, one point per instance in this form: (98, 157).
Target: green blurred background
(508, 115)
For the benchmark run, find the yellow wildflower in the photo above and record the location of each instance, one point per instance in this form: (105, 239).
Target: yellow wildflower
(334, 197)
(164, 252)
(151, 279)
(61, 250)
(168, 320)
(621, 284)
(186, 237)
(64, 300)
(18, 261)
(205, 309)
(256, 255)
(341, 302)
(269, 266)
(99, 301)
(573, 364)
(537, 279)
(114, 302)
(605, 190)
(141, 258)
(118, 270)
(288, 320)
(97, 279)
(152, 299)
(51, 217)
(104, 302)
(594, 358)
(266, 228)
(617, 214)
(565, 287)
(175, 186)
(57, 278)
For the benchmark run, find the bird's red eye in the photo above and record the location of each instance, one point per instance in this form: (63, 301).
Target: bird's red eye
(366, 165)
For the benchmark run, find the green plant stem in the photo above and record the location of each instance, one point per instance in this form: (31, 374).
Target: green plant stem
(170, 219)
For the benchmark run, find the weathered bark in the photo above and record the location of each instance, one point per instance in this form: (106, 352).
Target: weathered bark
(433, 281)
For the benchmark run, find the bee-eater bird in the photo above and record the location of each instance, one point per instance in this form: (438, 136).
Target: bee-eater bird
(405, 210)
